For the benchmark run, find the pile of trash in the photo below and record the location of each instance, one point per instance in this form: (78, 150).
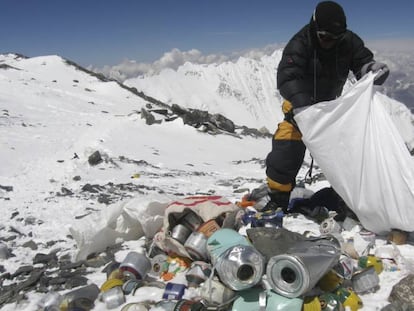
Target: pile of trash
(211, 254)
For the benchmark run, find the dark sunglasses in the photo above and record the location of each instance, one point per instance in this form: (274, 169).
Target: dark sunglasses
(327, 36)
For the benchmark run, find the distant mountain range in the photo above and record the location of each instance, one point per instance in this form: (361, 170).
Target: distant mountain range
(245, 90)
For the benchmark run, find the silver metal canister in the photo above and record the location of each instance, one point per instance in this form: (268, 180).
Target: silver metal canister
(296, 272)
(135, 265)
(196, 246)
(180, 233)
(240, 267)
(238, 263)
(113, 298)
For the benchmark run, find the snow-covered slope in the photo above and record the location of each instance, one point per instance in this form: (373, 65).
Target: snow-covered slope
(53, 116)
(243, 91)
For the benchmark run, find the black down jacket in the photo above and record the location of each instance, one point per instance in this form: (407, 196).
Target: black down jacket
(308, 74)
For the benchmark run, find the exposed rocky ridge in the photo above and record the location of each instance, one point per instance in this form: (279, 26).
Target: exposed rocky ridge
(205, 121)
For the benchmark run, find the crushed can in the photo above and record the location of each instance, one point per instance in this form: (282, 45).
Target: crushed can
(365, 281)
(304, 264)
(237, 262)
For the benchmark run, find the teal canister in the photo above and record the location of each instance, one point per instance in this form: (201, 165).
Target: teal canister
(239, 265)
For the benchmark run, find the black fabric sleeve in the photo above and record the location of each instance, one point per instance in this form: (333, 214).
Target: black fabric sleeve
(361, 55)
(291, 73)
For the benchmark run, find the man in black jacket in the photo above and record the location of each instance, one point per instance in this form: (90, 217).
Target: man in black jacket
(314, 68)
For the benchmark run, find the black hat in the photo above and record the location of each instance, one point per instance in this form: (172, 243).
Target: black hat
(330, 16)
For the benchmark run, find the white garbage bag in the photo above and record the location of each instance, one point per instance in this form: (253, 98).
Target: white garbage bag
(129, 220)
(363, 156)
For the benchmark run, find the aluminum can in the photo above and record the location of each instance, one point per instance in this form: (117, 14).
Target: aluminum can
(135, 265)
(196, 246)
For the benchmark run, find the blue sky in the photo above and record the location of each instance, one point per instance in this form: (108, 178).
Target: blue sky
(104, 32)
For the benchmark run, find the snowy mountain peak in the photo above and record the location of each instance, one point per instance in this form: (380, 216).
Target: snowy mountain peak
(243, 91)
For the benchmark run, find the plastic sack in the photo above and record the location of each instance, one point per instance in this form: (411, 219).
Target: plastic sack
(119, 222)
(363, 156)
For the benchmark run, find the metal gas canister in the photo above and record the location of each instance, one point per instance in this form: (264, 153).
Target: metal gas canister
(135, 265)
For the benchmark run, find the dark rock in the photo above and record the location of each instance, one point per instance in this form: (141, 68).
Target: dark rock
(71, 265)
(223, 123)
(30, 220)
(48, 259)
(57, 281)
(92, 188)
(178, 109)
(104, 198)
(6, 188)
(149, 117)
(64, 192)
(396, 306)
(30, 244)
(163, 112)
(23, 270)
(76, 281)
(403, 291)
(95, 158)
